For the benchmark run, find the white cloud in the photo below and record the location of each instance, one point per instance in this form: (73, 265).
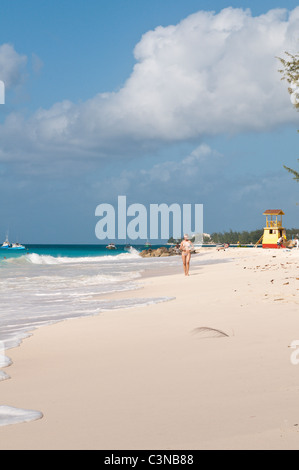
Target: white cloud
(176, 170)
(11, 66)
(196, 173)
(209, 74)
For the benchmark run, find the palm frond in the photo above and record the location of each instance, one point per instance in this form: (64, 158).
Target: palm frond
(293, 172)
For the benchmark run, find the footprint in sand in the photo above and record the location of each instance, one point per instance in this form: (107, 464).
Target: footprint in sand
(205, 332)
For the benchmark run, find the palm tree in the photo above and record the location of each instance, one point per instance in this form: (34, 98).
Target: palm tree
(294, 172)
(290, 73)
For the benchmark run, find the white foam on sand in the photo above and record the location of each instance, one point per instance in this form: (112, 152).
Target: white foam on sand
(5, 361)
(11, 415)
(3, 376)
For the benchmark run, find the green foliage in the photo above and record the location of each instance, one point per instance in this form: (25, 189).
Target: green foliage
(292, 232)
(293, 172)
(290, 73)
(245, 238)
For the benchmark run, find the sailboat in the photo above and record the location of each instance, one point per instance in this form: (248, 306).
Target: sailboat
(17, 246)
(8, 246)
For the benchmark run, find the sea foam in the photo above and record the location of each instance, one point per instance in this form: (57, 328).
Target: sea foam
(11, 415)
(34, 258)
(3, 376)
(39, 289)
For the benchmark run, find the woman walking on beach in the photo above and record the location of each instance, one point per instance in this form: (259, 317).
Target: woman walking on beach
(186, 247)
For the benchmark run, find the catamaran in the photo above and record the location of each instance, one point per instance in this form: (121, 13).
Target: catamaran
(17, 246)
(8, 246)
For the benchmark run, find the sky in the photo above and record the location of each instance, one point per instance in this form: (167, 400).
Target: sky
(172, 101)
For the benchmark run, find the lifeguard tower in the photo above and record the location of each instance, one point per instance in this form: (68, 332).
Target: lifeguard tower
(274, 229)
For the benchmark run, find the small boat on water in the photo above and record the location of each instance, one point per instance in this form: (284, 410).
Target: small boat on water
(6, 244)
(17, 246)
(147, 244)
(14, 246)
(111, 246)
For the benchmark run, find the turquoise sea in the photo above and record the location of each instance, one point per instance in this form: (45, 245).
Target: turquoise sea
(49, 283)
(69, 251)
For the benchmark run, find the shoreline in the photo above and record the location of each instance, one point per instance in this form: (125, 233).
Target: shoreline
(152, 378)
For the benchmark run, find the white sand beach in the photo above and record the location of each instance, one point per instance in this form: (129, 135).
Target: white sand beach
(152, 378)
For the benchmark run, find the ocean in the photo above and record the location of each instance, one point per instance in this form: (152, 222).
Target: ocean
(46, 284)
(49, 283)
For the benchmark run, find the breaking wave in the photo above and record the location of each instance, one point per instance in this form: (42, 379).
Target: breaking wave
(35, 258)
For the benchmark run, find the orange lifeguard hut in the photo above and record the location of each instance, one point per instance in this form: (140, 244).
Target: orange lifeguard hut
(274, 229)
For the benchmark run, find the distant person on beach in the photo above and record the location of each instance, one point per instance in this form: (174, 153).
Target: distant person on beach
(223, 247)
(279, 242)
(186, 247)
(296, 242)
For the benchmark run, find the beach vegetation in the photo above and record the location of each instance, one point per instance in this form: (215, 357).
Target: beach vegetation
(290, 73)
(245, 237)
(293, 172)
(236, 237)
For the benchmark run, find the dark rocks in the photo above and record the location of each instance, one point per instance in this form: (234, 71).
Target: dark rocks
(159, 252)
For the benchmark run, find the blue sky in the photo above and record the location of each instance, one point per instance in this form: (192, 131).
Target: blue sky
(158, 100)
